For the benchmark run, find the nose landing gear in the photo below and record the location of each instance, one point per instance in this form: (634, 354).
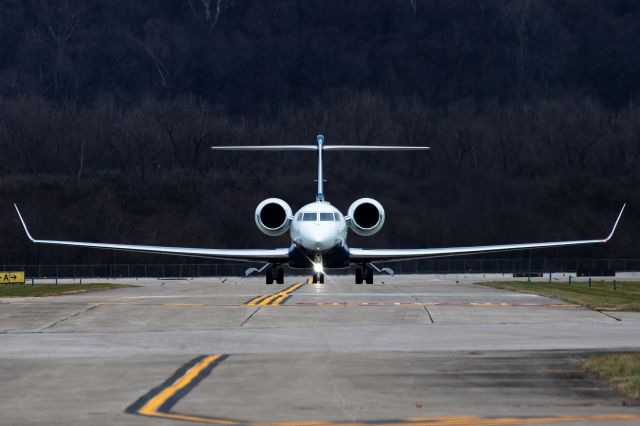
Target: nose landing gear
(318, 278)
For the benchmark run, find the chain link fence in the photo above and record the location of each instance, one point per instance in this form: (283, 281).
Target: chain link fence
(595, 267)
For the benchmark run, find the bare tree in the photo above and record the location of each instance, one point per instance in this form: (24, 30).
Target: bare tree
(413, 4)
(61, 20)
(208, 12)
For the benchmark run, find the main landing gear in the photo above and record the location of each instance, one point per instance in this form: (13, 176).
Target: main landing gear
(279, 275)
(318, 278)
(364, 273)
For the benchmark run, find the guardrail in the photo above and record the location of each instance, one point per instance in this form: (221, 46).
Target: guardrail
(595, 267)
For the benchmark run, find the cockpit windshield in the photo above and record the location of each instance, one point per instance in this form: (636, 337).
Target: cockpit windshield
(309, 217)
(326, 217)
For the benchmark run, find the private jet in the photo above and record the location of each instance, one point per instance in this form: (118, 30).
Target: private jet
(319, 231)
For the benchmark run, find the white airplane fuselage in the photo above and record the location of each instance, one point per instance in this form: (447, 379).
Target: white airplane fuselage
(318, 228)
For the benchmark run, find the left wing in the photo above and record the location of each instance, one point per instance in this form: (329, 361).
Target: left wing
(381, 255)
(278, 255)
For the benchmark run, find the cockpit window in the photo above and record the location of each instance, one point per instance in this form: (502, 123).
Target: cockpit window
(326, 217)
(310, 217)
(337, 216)
(299, 217)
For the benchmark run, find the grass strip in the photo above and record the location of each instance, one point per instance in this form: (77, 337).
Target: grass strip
(600, 296)
(40, 290)
(621, 371)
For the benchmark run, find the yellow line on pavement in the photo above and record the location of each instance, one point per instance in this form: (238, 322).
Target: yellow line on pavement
(151, 407)
(277, 298)
(273, 299)
(184, 304)
(473, 420)
(184, 383)
(256, 300)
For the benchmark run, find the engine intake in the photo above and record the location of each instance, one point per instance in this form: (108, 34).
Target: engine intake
(366, 216)
(273, 216)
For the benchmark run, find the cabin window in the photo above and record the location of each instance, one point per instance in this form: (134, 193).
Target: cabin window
(326, 217)
(309, 217)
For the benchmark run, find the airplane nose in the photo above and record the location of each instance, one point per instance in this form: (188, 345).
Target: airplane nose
(322, 240)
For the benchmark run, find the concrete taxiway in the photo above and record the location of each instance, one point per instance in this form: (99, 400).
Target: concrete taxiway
(422, 350)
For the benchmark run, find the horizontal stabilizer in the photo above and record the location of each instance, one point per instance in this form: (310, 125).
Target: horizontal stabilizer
(315, 148)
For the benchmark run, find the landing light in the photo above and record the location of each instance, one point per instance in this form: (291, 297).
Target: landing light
(317, 267)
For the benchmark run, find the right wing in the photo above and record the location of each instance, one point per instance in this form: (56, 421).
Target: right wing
(278, 255)
(358, 255)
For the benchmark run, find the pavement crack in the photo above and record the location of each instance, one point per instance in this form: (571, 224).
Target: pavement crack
(424, 305)
(250, 316)
(428, 313)
(69, 317)
(610, 316)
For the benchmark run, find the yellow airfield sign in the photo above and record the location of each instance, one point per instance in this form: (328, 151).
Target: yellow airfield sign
(11, 277)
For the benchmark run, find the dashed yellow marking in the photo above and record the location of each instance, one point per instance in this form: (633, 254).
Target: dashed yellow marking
(273, 299)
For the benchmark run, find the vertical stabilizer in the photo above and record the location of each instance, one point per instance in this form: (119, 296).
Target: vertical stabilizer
(320, 193)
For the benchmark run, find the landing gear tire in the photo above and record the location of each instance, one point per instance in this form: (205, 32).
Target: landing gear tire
(280, 277)
(358, 275)
(369, 276)
(318, 278)
(321, 278)
(269, 276)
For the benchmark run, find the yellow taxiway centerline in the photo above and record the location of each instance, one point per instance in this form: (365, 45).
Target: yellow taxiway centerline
(152, 408)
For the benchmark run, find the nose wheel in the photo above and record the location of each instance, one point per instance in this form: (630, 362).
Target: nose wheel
(318, 278)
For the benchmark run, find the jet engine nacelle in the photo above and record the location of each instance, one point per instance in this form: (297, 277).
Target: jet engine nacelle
(366, 216)
(273, 216)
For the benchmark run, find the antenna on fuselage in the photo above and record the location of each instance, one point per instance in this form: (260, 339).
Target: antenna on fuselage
(320, 147)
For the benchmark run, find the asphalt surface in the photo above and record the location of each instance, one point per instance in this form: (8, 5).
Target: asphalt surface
(422, 350)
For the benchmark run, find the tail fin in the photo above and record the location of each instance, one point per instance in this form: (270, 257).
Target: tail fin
(320, 147)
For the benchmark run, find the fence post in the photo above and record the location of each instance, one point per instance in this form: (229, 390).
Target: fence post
(614, 285)
(569, 280)
(589, 282)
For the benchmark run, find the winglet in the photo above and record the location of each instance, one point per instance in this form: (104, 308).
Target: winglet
(615, 225)
(24, 225)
